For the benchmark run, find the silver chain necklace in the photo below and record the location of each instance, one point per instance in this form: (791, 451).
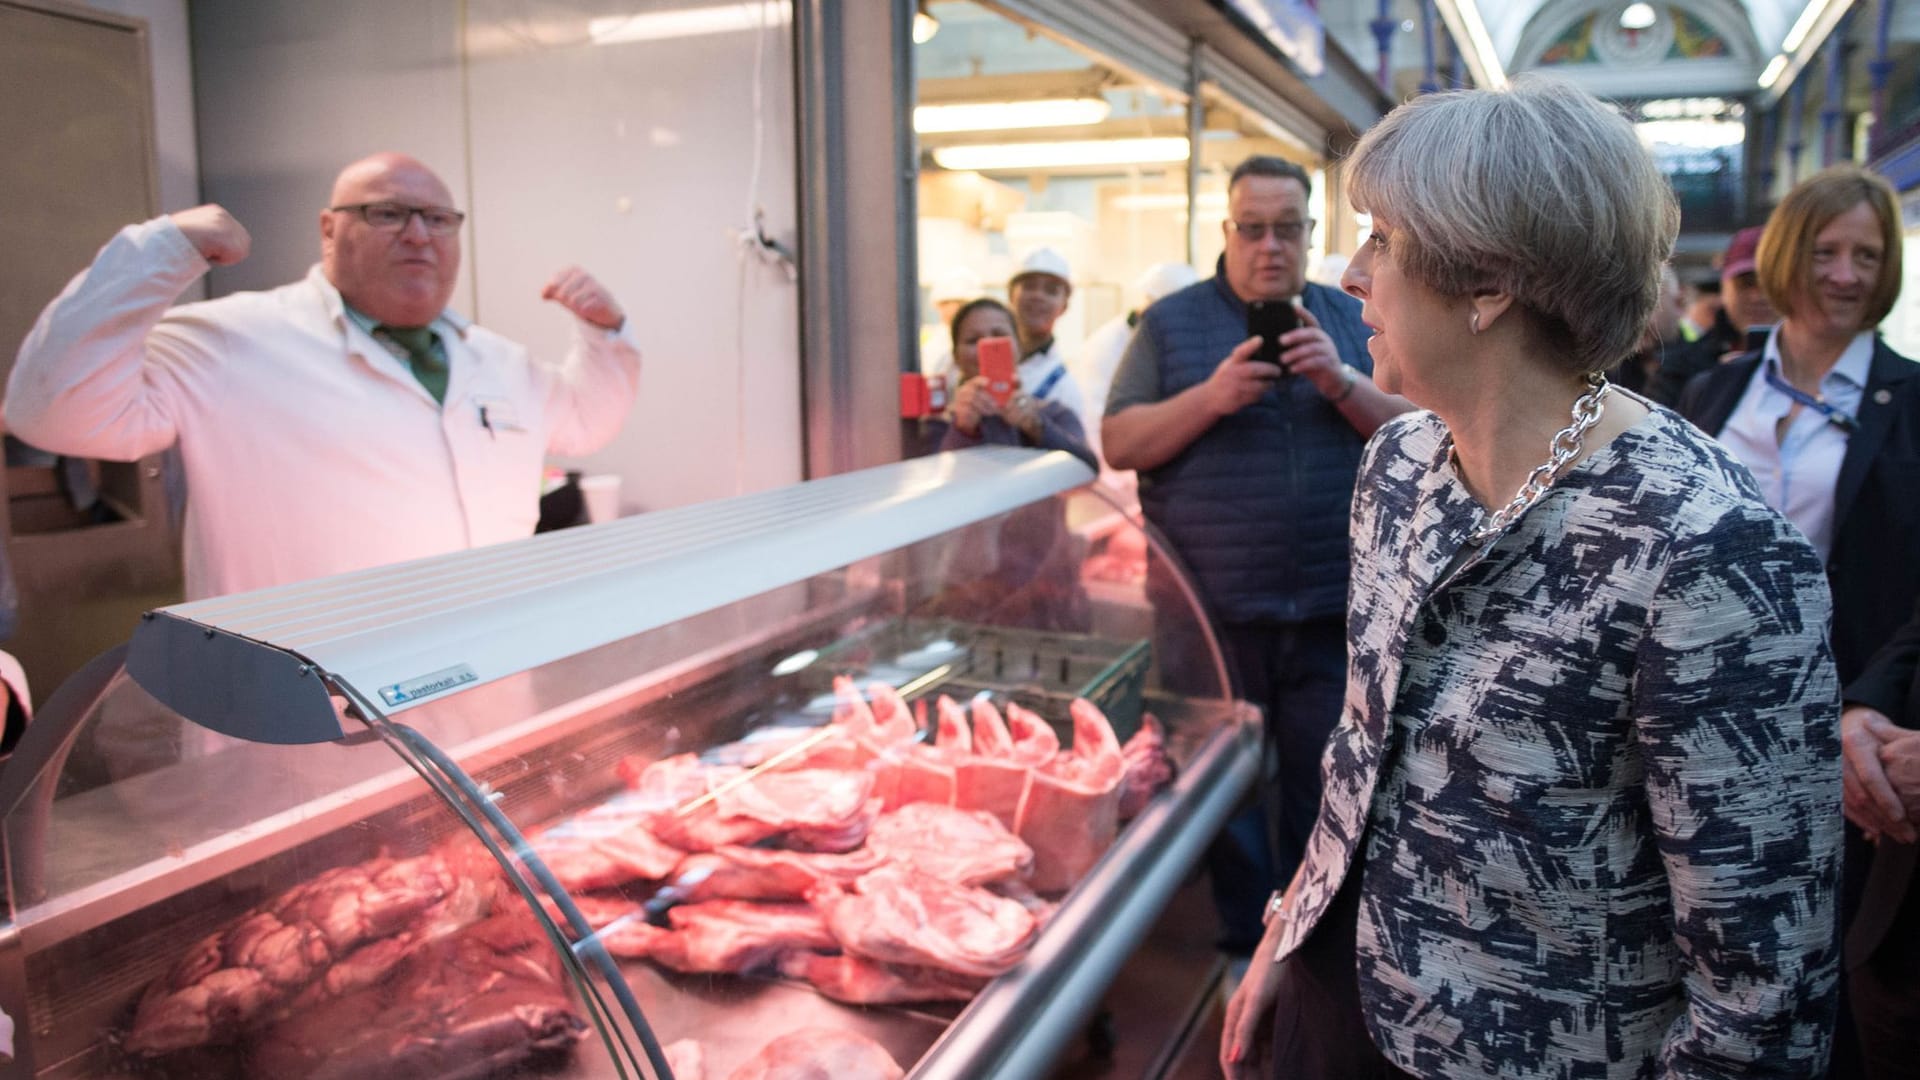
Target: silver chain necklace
(1565, 448)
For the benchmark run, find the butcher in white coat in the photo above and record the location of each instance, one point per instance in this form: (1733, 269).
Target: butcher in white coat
(347, 420)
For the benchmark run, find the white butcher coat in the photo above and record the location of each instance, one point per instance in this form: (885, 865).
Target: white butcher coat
(309, 449)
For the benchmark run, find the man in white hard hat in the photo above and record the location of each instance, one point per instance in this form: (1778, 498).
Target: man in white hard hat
(1040, 290)
(1099, 357)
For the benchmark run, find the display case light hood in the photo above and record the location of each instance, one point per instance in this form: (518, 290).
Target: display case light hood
(260, 665)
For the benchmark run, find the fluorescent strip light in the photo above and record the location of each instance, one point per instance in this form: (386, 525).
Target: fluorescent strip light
(1004, 115)
(1463, 18)
(991, 157)
(1809, 18)
(1694, 134)
(687, 22)
(1168, 200)
(1775, 67)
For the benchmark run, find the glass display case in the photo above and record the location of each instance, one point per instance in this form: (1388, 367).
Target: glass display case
(855, 767)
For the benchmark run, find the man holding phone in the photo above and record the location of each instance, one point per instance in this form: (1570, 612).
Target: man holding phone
(1244, 402)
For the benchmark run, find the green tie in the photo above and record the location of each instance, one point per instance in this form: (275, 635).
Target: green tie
(423, 356)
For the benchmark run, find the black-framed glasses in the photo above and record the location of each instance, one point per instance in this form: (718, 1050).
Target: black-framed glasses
(393, 216)
(1287, 232)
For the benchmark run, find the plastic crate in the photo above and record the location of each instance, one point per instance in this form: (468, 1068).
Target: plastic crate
(1039, 670)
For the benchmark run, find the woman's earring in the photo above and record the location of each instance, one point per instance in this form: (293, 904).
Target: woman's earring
(1473, 321)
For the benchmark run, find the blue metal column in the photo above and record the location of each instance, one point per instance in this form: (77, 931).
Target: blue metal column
(1428, 82)
(1833, 108)
(1880, 70)
(1796, 109)
(1383, 27)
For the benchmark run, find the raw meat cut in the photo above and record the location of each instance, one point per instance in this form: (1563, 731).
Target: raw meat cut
(820, 1054)
(721, 936)
(687, 1058)
(478, 1001)
(1071, 810)
(990, 778)
(859, 981)
(601, 850)
(750, 873)
(230, 980)
(861, 731)
(816, 809)
(969, 847)
(1034, 740)
(901, 916)
(1021, 893)
(920, 774)
(1147, 767)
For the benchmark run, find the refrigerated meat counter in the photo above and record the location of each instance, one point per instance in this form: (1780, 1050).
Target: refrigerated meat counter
(852, 760)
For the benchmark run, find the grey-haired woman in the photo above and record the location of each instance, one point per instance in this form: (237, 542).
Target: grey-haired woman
(1580, 814)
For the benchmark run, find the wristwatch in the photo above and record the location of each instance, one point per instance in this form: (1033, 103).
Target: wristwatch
(1348, 376)
(1278, 901)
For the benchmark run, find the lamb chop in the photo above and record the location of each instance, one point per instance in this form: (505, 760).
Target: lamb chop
(686, 1058)
(820, 1054)
(1148, 767)
(815, 809)
(486, 998)
(605, 848)
(860, 731)
(231, 979)
(990, 778)
(899, 915)
(968, 847)
(749, 873)
(721, 936)
(1071, 811)
(859, 981)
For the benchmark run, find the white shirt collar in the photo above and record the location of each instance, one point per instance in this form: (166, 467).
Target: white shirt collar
(1855, 363)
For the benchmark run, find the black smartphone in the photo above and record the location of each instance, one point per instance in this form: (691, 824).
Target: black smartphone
(1757, 337)
(1267, 320)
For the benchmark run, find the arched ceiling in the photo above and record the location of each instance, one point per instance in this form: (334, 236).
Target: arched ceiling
(1689, 47)
(1508, 21)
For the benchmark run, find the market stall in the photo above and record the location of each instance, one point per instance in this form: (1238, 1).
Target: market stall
(852, 763)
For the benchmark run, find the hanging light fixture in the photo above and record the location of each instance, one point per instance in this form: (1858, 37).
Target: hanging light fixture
(924, 24)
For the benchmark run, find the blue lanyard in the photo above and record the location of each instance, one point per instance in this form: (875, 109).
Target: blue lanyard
(1835, 415)
(1053, 379)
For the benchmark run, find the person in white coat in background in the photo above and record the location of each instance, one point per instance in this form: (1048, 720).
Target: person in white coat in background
(347, 420)
(1100, 354)
(951, 291)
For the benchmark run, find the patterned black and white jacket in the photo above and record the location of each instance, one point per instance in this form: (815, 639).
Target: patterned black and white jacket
(1595, 771)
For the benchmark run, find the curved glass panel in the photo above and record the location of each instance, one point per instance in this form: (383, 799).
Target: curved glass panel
(737, 808)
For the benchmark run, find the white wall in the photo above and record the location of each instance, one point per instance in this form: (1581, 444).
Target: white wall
(629, 160)
(176, 145)
(172, 95)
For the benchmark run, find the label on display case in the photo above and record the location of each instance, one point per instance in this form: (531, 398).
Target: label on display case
(439, 682)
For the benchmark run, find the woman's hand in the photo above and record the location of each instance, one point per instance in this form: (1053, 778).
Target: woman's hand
(1868, 796)
(972, 404)
(1023, 412)
(1246, 1036)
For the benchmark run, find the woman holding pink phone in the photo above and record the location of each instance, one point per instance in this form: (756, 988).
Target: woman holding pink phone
(991, 407)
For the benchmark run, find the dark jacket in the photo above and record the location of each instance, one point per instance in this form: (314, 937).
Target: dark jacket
(1059, 430)
(1874, 569)
(1257, 506)
(1890, 684)
(1531, 774)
